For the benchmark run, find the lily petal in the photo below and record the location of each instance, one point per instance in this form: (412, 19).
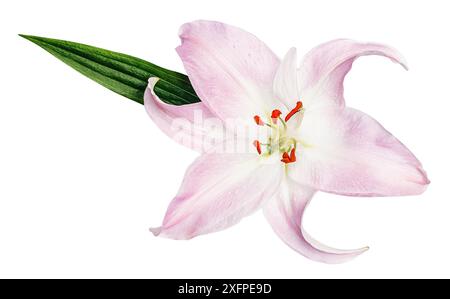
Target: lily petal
(218, 190)
(285, 82)
(230, 69)
(322, 72)
(285, 214)
(179, 122)
(347, 152)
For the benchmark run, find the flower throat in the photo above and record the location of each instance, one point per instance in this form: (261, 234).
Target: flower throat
(279, 139)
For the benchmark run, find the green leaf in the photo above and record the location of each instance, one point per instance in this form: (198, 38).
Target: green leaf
(121, 73)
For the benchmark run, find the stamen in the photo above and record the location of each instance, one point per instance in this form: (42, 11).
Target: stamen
(275, 115)
(297, 108)
(257, 145)
(289, 158)
(285, 160)
(258, 120)
(292, 156)
(282, 140)
(283, 122)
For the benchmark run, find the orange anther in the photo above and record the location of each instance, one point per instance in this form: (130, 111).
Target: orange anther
(257, 145)
(275, 115)
(297, 108)
(289, 158)
(258, 120)
(292, 156)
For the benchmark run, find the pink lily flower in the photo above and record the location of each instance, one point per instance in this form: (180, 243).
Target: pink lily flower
(314, 143)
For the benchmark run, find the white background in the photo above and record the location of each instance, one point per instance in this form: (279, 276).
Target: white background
(84, 172)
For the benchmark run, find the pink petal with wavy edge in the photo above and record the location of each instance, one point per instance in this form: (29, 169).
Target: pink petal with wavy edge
(218, 190)
(322, 72)
(185, 123)
(347, 152)
(230, 69)
(285, 214)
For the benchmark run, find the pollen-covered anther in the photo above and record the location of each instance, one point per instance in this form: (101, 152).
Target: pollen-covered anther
(292, 156)
(258, 120)
(296, 109)
(275, 115)
(257, 145)
(289, 158)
